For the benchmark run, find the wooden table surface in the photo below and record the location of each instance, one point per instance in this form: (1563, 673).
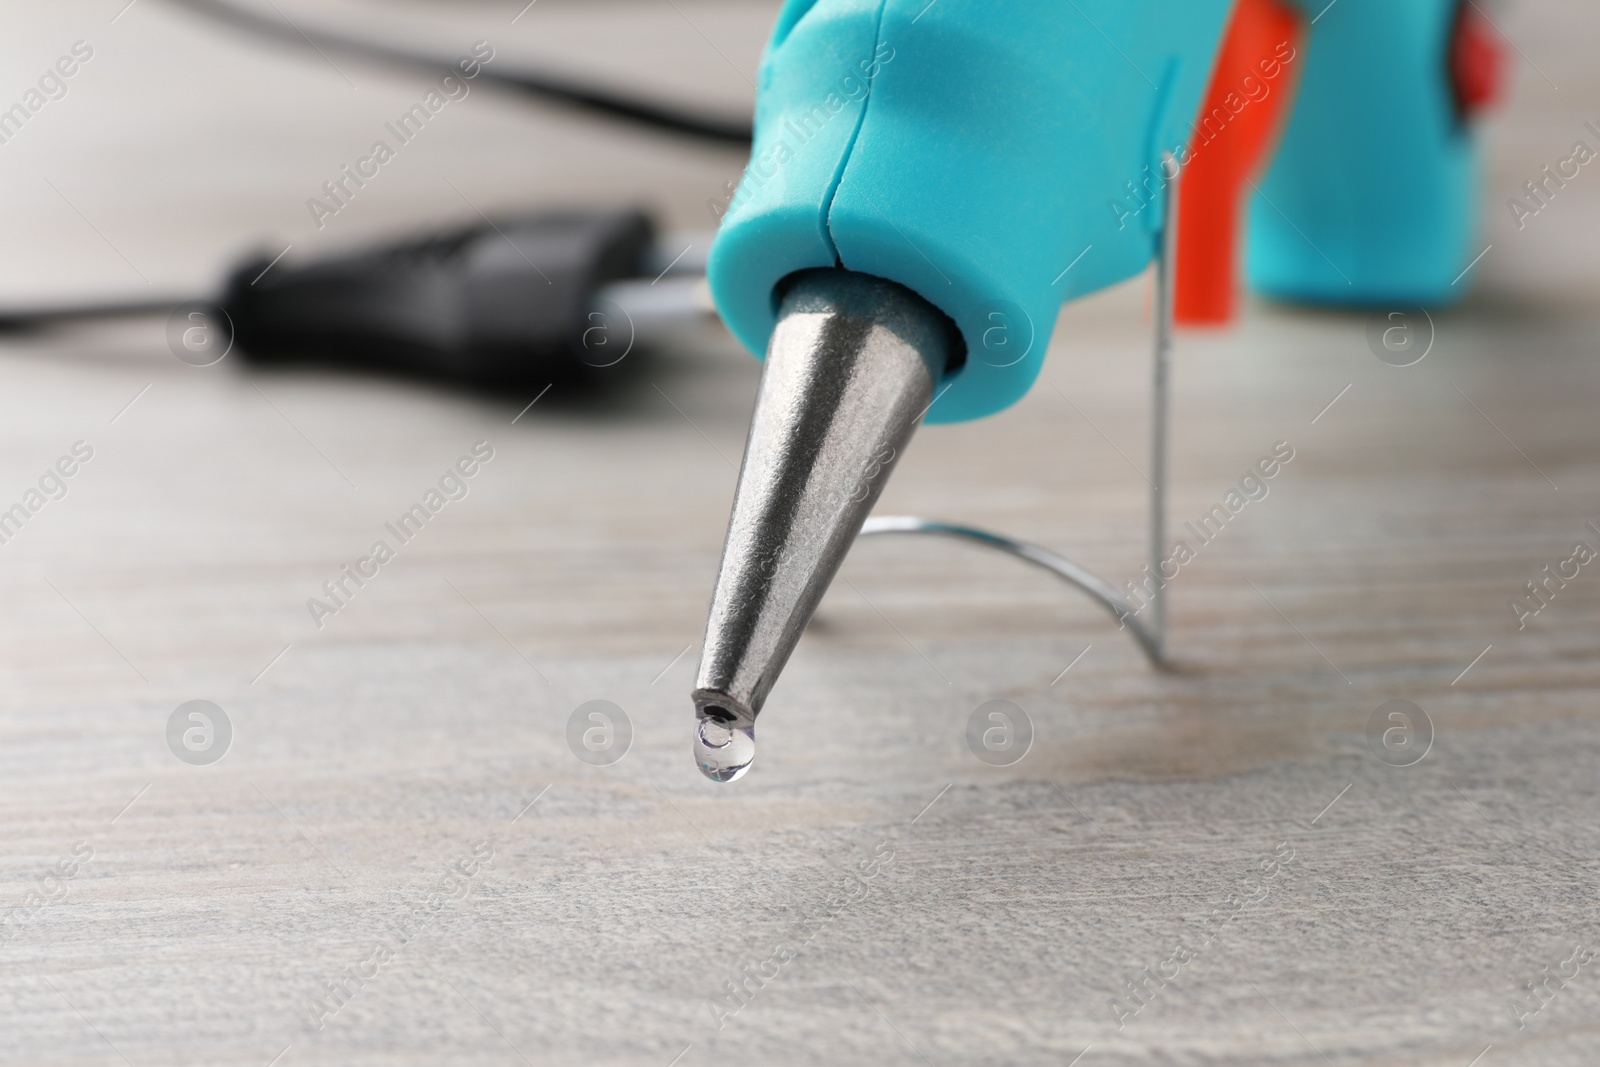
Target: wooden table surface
(401, 860)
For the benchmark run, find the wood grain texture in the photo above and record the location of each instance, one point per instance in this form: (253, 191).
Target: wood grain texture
(896, 900)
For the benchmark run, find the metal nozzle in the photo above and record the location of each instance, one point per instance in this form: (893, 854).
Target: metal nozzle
(850, 371)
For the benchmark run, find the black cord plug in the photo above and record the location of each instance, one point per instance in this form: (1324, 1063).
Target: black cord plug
(499, 304)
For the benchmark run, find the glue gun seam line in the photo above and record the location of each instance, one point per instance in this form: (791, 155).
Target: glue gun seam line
(849, 149)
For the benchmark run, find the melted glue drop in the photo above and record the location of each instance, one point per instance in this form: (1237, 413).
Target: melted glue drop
(722, 750)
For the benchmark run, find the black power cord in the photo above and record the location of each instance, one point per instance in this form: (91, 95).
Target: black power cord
(21, 320)
(603, 101)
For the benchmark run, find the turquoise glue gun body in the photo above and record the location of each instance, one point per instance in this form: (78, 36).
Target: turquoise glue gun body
(966, 151)
(972, 151)
(1372, 194)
